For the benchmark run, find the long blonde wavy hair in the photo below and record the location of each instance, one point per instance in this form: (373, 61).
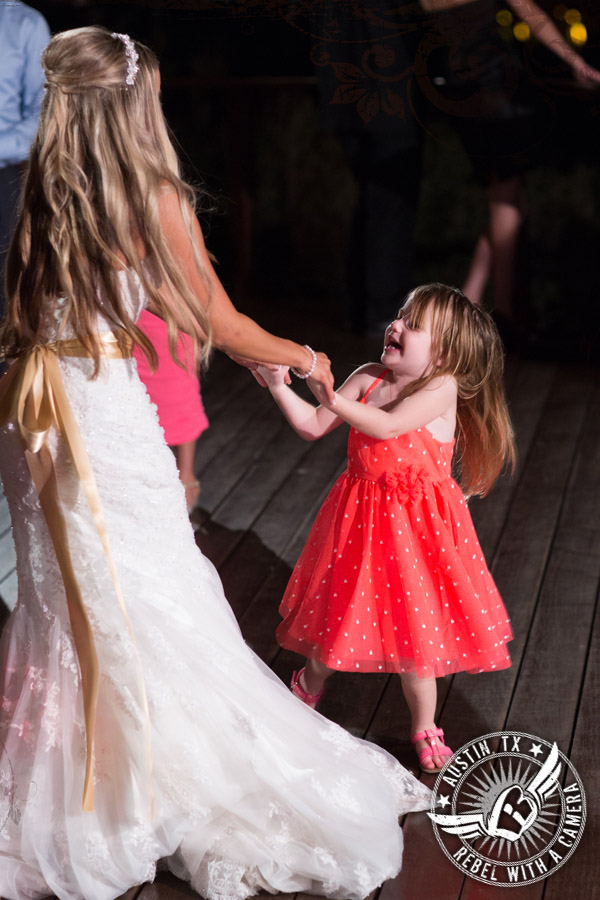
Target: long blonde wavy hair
(99, 162)
(465, 344)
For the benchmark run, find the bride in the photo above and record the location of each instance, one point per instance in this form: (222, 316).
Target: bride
(136, 725)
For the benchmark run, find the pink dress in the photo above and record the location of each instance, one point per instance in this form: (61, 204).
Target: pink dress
(392, 577)
(174, 391)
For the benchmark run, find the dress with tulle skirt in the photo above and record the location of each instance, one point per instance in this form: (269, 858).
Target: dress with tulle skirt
(392, 577)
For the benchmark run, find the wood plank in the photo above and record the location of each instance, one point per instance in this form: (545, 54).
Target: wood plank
(320, 468)
(8, 596)
(243, 408)
(528, 394)
(579, 876)
(8, 575)
(271, 453)
(7, 554)
(552, 670)
(4, 513)
(132, 893)
(229, 467)
(372, 896)
(167, 887)
(220, 383)
(419, 879)
(244, 572)
(259, 618)
(222, 452)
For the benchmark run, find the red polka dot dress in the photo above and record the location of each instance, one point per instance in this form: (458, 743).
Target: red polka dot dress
(392, 577)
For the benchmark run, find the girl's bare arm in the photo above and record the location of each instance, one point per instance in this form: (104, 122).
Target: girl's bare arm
(308, 421)
(436, 400)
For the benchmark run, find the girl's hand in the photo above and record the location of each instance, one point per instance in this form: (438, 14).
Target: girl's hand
(253, 365)
(325, 399)
(322, 379)
(272, 376)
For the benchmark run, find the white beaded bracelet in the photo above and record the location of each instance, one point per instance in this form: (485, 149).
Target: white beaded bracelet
(312, 365)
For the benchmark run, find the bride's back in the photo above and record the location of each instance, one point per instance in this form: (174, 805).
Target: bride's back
(98, 165)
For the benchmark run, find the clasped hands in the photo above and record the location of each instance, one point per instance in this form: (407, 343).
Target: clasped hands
(271, 375)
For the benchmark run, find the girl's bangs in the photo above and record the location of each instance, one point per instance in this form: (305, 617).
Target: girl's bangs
(415, 308)
(419, 301)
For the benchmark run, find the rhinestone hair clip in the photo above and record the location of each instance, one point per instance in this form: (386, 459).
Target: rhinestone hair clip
(132, 56)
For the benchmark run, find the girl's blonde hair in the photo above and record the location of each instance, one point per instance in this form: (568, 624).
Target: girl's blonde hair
(466, 344)
(100, 160)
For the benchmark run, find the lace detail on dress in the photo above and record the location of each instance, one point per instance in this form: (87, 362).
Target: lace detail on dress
(224, 880)
(341, 793)
(143, 843)
(405, 786)
(97, 852)
(66, 653)
(341, 741)
(51, 717)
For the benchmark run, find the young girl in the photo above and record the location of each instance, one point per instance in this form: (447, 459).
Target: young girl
(392, 577)
(135, 724)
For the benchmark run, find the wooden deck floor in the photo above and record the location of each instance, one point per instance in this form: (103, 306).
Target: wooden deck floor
(540, 531)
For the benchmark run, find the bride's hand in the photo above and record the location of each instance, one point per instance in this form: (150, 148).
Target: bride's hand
(253, 365)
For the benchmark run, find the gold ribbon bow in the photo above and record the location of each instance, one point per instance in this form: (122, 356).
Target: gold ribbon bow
(33, 394)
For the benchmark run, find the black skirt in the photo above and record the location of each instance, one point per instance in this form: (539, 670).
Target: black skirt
(475, 80)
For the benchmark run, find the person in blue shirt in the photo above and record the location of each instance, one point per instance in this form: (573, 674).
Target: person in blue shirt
(23, 35)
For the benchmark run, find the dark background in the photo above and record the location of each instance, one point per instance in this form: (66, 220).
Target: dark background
(240, 92)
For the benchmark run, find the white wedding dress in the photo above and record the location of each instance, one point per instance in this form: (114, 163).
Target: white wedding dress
(246, 788)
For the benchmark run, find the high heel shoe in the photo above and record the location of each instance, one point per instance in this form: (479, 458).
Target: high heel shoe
(434, 749)
(297, 689)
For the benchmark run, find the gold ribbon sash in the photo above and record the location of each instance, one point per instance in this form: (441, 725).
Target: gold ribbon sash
(32, 394)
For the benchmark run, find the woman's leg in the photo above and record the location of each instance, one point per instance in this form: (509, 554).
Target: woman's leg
(421, 696)
(184, 454)
(507, 213)
(479, 270)
(496, 248)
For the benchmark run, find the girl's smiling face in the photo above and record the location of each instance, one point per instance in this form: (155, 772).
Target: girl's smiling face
(406, 348)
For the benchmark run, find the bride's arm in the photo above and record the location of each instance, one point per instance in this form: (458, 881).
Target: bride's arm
(232, 331)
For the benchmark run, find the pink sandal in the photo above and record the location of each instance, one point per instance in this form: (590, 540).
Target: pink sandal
(434, 749)
(297, 689)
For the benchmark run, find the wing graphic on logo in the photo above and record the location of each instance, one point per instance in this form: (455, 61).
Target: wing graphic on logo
(514, 810)
(544, 783)
(466, 825)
